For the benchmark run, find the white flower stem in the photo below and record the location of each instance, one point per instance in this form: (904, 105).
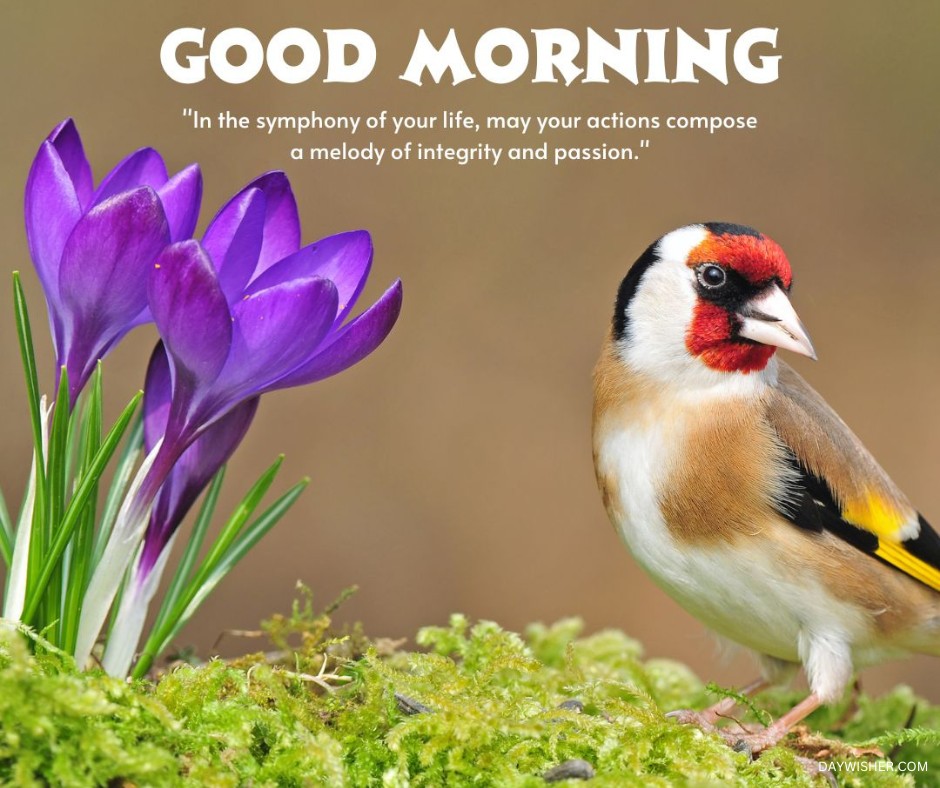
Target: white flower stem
(125, 539)
(132, 612)
(15, 597)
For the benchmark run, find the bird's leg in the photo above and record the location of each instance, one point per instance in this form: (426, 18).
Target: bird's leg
(770, 736)
(707, 718)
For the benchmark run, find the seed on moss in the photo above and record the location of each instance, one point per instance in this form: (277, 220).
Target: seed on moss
(575, 769)
(409, 706)
(743, 746)
(572, 705)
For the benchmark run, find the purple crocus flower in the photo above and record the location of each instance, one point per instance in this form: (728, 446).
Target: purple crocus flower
(242, 313)
(245, 312)
(93, 248)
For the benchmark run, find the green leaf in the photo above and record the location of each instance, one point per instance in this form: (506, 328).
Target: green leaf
(119, 483)
(25, 335)
(73, 443)
(55, 500)
(254, 532)
(82, 544)
(6, 532)
(239, 517)
(210, 575)
(193, 546)
(37, 521)
(241, 546)
(87, 485)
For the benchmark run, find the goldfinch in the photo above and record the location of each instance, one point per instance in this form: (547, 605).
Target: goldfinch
(738, 489)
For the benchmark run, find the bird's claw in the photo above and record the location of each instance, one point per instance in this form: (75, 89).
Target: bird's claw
(691, 717)
(751, 742)
(749, 739)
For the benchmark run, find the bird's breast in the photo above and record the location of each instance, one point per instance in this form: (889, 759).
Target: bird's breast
(633, 462)
(632, 459)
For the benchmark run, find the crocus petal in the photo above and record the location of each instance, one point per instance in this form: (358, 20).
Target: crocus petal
(143, 167)
(107, 258)
(190, 475)
(181, 197)
(281, 220)
(344, 259)
(158, 390)
(190, 311)
(52, 209)
(68, 143)
(103, 275)
(233, 240)
(274, 331)
(352, 343)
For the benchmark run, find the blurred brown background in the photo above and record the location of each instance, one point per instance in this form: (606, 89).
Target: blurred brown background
(452, 470)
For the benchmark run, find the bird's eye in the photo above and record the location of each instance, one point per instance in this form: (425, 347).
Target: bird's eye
(711, 276)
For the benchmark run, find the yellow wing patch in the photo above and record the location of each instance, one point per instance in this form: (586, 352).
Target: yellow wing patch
(894, 553)
(876, 515)
(882, 518)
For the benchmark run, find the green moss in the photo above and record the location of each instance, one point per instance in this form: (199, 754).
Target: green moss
(478, 706)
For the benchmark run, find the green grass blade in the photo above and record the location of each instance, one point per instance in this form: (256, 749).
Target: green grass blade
(196, 594)
(240, 547)
(170, 612)
(55, 502)
(6, 532)
(254, 532)
(36, 544)
(239, 517)
(123, 474)
(82, 542)
(56, 454)
(25, 336)
(74, 446)
(74, 450)
(193, 546)
(86, 487)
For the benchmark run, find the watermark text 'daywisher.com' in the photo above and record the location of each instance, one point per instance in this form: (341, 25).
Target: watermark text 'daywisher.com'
(899, 767)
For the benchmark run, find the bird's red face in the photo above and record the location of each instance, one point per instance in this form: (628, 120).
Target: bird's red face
(706, 299)
(733, 270)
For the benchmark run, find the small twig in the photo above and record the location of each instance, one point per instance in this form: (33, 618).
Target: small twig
(745, 729)
(239, 633)
(322, 678)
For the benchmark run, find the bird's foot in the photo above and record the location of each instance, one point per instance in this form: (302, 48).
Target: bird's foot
(700, 719)
(748, 739)
(752, 740)
(739, 736)
(707, 718)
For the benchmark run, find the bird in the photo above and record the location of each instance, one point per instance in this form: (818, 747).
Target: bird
(739, 490)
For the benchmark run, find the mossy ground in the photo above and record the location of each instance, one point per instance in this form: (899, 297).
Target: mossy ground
(476, 706)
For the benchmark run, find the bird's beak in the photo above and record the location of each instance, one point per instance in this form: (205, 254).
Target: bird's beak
(771, 320)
